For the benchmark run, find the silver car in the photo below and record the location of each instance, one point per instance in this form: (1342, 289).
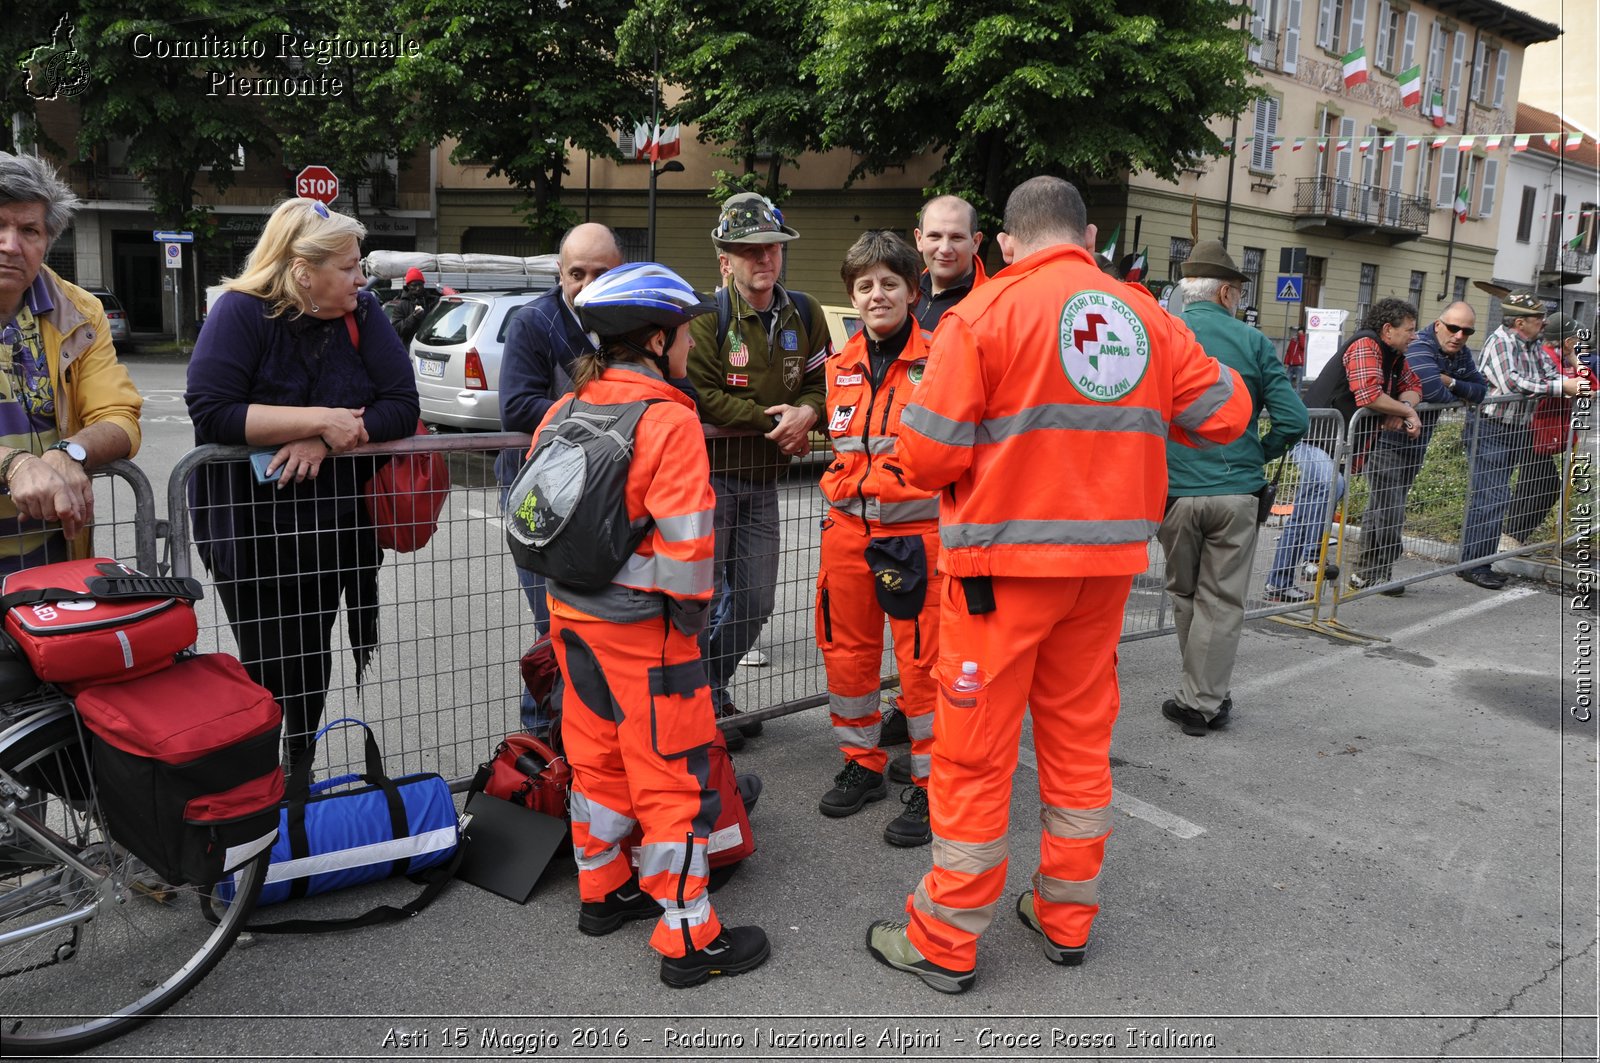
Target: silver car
(455, 357)
(121, 334)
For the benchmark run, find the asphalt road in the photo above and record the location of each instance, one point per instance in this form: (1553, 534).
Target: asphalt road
(1391, 853)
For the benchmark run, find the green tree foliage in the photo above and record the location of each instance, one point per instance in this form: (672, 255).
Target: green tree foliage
(163, 107)
(353, 131)
(739, 66)
(1007, 89)
(515, 82)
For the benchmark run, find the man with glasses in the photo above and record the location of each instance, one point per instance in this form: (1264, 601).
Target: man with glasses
(1442, 361)
(66, 404)
(1501, 441)
(757, 366)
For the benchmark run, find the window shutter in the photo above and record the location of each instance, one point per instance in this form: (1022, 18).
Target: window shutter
(1380, 57)
(1358, 24)
(1408, 51)
(1397, 164)
(1347, 132)
(1291, 39)
(1435, 72)
(1458, 64)
(1449, 159)
(1266, 127)
(1491, 178)
(1479, 87)
(625, 142)
(1500, 78)
(1325, 24)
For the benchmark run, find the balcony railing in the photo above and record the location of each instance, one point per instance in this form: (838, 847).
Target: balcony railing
(1569, 262)
(1329, 203)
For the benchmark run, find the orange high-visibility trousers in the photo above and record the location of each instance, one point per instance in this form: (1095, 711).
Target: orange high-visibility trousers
(636, 724)
(849, 624)
(1049, 647)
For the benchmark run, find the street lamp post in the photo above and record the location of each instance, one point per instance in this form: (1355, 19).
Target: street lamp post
(670, 166)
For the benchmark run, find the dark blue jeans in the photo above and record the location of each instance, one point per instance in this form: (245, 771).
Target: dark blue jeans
(1494, 451)
(1302, 538)
(745, 577)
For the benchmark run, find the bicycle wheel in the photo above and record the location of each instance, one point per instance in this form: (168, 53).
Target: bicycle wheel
(86, 957)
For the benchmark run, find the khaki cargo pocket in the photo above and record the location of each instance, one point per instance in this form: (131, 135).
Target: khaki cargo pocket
(681, 717)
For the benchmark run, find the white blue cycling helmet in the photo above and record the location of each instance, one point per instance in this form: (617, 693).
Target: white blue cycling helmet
(638, 295)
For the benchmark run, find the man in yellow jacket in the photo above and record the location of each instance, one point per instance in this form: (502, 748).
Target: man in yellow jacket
(1042, 420)
(66, 404)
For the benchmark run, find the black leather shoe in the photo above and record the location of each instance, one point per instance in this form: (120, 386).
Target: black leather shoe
(734, 951)
(853, 788)
(1488, 580)
(892, 732)
(1220, 720)
(900, 770)
(1193, 721)
(622, 905)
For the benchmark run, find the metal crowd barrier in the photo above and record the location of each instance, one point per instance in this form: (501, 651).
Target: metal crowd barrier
(1413, 504)
(125, 525)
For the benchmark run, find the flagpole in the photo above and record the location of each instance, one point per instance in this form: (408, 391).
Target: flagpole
(655, 125)
(1455, 216)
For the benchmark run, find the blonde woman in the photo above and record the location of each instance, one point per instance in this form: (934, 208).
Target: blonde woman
(297, 360)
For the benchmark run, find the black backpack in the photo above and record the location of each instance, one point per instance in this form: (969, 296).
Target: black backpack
(567, 510)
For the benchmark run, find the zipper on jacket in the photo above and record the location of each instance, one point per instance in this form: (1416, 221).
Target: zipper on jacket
(866, 445)
(896, 470)
(888, 406)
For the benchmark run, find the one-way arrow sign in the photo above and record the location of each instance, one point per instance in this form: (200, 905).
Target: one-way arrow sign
(1289, 289)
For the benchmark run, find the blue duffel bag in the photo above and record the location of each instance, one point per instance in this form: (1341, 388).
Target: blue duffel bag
(331, 838)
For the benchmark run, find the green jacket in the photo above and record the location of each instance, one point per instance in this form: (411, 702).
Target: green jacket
(1236, 469)
(737, 376)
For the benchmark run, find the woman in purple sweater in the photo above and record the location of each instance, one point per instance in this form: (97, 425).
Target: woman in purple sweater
(298, 360)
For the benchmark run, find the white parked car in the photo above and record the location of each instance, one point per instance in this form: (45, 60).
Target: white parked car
(455, 357)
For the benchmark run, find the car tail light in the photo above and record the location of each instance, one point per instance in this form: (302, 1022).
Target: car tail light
(115, 315)
(473, 372)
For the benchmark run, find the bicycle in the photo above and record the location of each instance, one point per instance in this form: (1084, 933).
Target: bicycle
(92, 943)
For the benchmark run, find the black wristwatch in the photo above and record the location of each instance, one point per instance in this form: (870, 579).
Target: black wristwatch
(72, 450)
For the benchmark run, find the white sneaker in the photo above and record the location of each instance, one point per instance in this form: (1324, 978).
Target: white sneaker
(754, 659)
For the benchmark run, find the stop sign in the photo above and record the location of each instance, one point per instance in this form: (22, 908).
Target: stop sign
(317, 182)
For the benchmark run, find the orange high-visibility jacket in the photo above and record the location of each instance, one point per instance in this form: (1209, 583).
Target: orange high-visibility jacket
(865, 480)
(669, 482)
(1043, 415)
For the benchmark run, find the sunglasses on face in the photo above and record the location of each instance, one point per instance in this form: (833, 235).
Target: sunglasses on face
(1465, 330)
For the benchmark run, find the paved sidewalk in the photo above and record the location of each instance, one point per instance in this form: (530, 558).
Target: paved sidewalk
(1391, 852)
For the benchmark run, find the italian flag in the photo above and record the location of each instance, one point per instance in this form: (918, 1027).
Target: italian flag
(1411, 87)
(1355, 68)
(1136, 269)
(1110, 250)
(1492, 143)
(1577, 240)
(1574, 141)
(1461, 204)
(1466, 143)
(1520, 141)
(1299, 142)
(666, 144)
(1436, 109)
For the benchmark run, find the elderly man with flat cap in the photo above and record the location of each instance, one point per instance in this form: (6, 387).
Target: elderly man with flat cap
(1514, 364)
(757, 365)
(1213, 495)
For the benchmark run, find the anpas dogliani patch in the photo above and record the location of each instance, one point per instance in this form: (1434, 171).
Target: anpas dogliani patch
(1105, 349)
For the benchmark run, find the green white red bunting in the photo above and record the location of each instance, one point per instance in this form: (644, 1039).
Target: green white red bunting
(1455, 141)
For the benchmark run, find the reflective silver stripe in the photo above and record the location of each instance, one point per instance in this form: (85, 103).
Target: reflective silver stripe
(1066, 890)
(1075, 822)
(1069, 417)
(604, 823)
(853, 445)
(1048, 532)
(1210, 401)
(618, 604)
(667, 857)
(879, 512)
(682, 579)
(921, 765)
(433, 841)
(968, 858)
(598, 860)
(938, 427)
(918, 509)
(853, 706)
(920, 725)
(695, 913)
(687, 528)
(856, 737)
(973, 921)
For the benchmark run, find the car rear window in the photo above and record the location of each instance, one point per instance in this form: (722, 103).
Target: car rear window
(108, 300)
(505, 322)
(451, 321)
